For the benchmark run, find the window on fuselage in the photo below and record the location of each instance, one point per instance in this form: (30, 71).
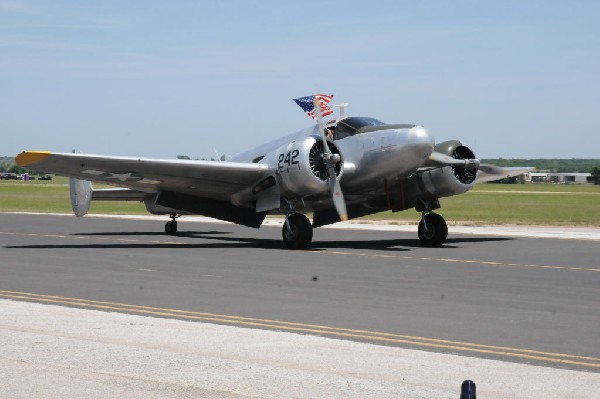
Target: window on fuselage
(351, 126)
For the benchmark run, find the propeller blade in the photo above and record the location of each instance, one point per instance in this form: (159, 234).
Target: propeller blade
(488, 172)
(337, 195)
(448, 160)
(319, 114)
(493, 169)
(334, 185)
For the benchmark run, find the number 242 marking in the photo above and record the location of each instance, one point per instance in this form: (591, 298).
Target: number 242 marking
(288, 159)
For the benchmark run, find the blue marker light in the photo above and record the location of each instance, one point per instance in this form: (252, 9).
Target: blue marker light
(467, 390)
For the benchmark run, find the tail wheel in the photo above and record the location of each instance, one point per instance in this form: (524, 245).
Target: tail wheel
(299, 234)
(171, 227)
(433, 230)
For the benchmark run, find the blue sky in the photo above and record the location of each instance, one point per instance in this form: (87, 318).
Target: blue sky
(511, 79)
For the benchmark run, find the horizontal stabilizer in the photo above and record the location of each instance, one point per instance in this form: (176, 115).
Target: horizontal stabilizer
(118, 194)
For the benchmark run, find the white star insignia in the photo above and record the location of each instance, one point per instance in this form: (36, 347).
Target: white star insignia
(122, 177)
(93, 172)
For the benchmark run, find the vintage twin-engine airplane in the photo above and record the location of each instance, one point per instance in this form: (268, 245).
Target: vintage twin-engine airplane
(377, 167)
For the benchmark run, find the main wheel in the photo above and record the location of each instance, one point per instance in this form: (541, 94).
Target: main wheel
(171, 227)
(436, 232)
(301, 235)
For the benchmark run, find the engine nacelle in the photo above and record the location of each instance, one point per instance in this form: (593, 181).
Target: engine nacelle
(448, 180)
(457, 150)
(301, 170)
(155, 209)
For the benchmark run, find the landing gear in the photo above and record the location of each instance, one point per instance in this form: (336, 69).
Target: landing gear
(433, 230)
(297, 232)
(171, 226)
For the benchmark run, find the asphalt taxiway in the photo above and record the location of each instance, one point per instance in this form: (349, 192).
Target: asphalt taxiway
(514, 298)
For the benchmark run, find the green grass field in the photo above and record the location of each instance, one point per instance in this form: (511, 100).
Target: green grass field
(537, 204)
(53, 196)
(540, 204)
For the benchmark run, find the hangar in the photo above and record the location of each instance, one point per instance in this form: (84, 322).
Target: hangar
(564, 178)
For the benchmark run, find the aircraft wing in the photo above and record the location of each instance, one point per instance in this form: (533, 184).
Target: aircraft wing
(488, 172)
(207, 179)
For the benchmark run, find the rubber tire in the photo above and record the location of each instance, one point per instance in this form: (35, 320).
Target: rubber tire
(437, 230)
(171, 228)
(302, 232)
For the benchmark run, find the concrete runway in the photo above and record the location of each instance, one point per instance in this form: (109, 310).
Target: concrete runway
(524, 300)
(49, 351)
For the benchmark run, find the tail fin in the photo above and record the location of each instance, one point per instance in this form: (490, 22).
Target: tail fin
(81, 195)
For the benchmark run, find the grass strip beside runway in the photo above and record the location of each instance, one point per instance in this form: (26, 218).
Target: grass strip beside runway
(524, 204)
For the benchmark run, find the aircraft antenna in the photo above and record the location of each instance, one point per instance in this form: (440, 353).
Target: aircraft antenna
(342, 108)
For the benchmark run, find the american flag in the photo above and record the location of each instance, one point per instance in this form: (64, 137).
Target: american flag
(307, 104)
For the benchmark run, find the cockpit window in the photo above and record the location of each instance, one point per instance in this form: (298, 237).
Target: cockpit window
(358, 122)
(351, 126)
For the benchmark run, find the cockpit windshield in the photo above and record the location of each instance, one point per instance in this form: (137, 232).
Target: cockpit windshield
(351, 126)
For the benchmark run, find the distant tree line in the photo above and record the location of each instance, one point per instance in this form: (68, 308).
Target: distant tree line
(8, 165)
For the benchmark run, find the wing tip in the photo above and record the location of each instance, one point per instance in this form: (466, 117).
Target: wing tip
(27, 158)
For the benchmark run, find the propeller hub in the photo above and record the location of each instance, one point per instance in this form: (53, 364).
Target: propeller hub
(335, 158)
(320, 162)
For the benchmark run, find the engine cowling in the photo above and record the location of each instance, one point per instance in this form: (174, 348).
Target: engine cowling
(457, 150)
(448, 180)
(300, 168)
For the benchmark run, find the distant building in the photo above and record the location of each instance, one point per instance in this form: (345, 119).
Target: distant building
(562, 178)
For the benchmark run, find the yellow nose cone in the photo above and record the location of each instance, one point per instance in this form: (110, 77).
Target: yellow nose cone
(27, 158)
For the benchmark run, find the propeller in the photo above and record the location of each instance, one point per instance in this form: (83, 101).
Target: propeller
(486, 172)
(448, 160)
(489, 172)
(331, 160)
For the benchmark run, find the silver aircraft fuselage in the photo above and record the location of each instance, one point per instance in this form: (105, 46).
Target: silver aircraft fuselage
(368, 158)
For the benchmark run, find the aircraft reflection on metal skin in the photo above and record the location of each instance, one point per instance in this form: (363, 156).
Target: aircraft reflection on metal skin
(338, 169)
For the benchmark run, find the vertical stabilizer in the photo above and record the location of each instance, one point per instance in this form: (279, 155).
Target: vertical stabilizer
(81, 195)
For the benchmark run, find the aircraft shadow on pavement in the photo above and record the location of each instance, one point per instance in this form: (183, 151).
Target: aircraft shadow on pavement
(147, 233)
(224, 241)
(399, 244)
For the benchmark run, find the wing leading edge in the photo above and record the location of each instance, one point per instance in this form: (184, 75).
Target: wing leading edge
(228, 184)
(212, 179)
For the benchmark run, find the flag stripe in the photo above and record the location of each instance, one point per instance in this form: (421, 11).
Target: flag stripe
(307, 104)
